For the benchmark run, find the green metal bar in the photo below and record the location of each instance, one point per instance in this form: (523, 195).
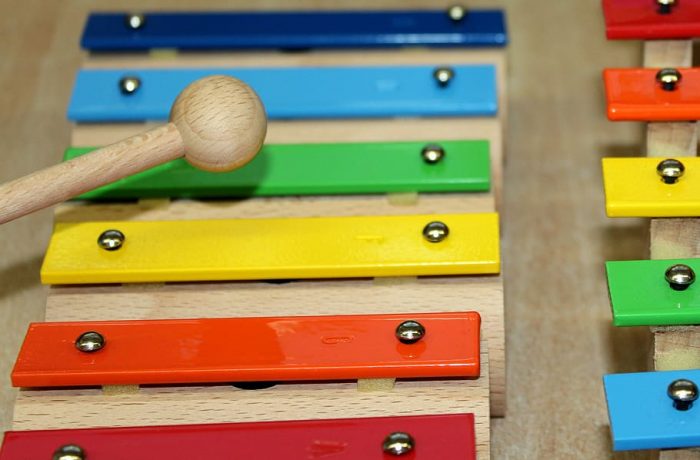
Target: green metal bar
(640, 295)
(314, 169)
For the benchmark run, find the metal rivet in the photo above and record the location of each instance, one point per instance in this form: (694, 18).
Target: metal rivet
(456, 12)
(89, 342)
(435, 231)
(135, 21)
(432, 153)
(680, 277)
(129, 85)
(410, 332)
(665, 6)
(683, 393)
(69, 452)
(670, 170)
(111, 240)
(398, 443)
(443, 75)
(668, 78)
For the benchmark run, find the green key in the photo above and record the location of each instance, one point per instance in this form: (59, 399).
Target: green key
(647, 293)
(317, 169)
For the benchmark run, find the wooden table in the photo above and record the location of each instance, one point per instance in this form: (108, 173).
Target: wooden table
(556, 236)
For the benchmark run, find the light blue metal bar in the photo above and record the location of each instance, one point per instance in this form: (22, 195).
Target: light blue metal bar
(296, 93)
(642, 415)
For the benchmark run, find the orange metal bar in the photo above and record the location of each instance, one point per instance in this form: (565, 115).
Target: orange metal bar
(249, 349)
(635, 95)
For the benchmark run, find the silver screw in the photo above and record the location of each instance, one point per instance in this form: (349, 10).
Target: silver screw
(670, 170)
(129, 85)
(432, 153)
(69, 452)
(410, 332)
(443, 76)
(457, 12)
(435, 231)
(683, 393)
(668, 78)
(89, 342)
(111, 240)
(680, 277)
(398, 443)
(135, 21)
(665, 6)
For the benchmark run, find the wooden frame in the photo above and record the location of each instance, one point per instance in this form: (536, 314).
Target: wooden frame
(83, 408)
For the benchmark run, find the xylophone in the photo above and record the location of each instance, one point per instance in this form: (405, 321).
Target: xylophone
(656, 410)
(339, 293)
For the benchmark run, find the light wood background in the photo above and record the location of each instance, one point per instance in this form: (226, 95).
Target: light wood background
(556, 236)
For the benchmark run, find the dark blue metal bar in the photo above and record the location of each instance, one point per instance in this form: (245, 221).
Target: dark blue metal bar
(294, 30)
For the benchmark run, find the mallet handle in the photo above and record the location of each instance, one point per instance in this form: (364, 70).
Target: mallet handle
(58, 183)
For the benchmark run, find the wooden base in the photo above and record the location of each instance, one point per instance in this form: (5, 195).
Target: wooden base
(310, 206)
(676, 348)
(685, 454)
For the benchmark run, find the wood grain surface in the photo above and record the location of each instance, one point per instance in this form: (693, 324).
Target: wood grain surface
(556, 236)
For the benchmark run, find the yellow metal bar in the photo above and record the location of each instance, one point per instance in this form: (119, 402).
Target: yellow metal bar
(634, 189)
(248, 249)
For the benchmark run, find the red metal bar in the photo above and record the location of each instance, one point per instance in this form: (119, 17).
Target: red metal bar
(642, 20)
(436, 437)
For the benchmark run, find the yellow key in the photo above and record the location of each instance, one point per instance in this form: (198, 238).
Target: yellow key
(250, 249)
(634, 188)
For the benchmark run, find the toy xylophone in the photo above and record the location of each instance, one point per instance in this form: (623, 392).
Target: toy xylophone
(339, 292)
(656, 410)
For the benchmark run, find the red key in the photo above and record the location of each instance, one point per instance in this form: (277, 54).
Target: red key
(645, 19)
(432, 437)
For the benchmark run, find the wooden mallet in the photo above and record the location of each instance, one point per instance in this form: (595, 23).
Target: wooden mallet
(217, 123)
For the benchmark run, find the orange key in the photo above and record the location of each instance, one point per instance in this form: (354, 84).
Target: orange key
(639, 94)
(249, 349)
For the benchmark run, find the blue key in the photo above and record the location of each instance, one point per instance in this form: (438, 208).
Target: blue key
(295, 93)
(293, 30)
(643, 415)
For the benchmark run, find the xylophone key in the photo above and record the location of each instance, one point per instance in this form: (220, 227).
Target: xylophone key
(652, 187)
(428, 437)
(653, 410)
(193, 351)
(249, 249)
(653, 94)
(293, 30)
(295, 93)
(651, 19)
(317, 169)
(654, 292)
